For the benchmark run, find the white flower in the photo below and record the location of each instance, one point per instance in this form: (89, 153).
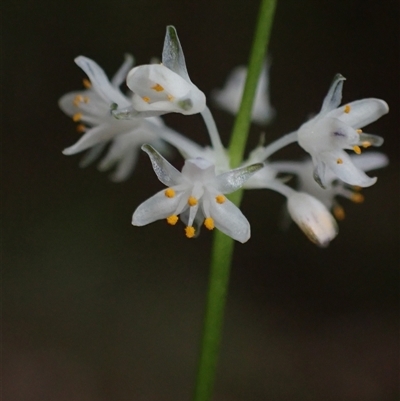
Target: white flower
(197, 193)
(336, 128)
(90, 108)
(163, 88)
(230, 96)
(334, 187)
(312, 217)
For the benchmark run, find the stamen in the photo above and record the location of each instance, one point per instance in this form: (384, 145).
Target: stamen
(172, 220)
(169, 193)
(357, 149)
(347, 109)
(77, 117)
(220, 199)
(359, 131)
(85, 99)
(189, 230)
(146, 99)
(209, 223)
(192, 201)
(81, 128)
(357, 197)
(357, 188)
(339, 161)
(78, 99)
(86, 83)
(157, 88)
(170, 98)
(366, 144)
(338, 212)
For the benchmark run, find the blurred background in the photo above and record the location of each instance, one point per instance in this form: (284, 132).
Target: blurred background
(95, 309)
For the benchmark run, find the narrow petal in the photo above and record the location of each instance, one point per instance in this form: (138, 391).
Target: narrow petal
(361, 112)
(172, 55)
(155, 208)
(93, 136)
(230, 220)
(100, 82)
(233, 180)
(165, 171)
(370, 161)
(373, 140)
(346, 170)
(120, 75)
(92, 154)
(334, 96)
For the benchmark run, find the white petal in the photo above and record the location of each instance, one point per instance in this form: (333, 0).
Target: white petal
(165, 171)
(334, 96)
(346, 170)
(101, 83)
(172, 55)
(92, 154)
(362, 112)
(155, 208)
(92, 137)
(233, 180)
(120, 75)
(312, 217)
(230, 220)
(370, 161)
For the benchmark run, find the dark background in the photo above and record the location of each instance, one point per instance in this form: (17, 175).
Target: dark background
(95, 309)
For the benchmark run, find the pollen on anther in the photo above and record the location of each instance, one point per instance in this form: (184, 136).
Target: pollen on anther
(169, 193)
(366, 144)
(357, 197)
(157, 88)
(338, 212)
(357, 149)
(86, 83)
(172, 220)
(77, 117)
(192, 201)
(209, 223)
(81, 128)
(347, 109)
(190, 231)
(170, 98)
(339, 161)
(146, 99)
(220, 199)
(78, 99)
(359, 131)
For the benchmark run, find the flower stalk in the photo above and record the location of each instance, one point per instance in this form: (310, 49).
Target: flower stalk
(223, 245)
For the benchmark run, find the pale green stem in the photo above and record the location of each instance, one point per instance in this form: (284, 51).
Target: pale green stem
(278, 144)
(223, 245)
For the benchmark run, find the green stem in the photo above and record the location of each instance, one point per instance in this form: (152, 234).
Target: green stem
(223, 245)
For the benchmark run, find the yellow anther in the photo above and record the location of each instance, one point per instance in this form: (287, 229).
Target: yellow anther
(339, 161)
(347, 109)
(338, 212)
(359, 131)
(357, 188)
(192, 201)
(173, 219)
(189, 230)
(357, 149)
(170, 98)
(157, 88)
(209, 223)
(81, 128)
(220, 199)
(78, 99)
(77, 117)
(146, 99)
(86, 83)
(169, 193)
(366, 144)
(357, 197)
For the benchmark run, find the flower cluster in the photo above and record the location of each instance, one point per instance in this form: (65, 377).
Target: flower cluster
(115, 125)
